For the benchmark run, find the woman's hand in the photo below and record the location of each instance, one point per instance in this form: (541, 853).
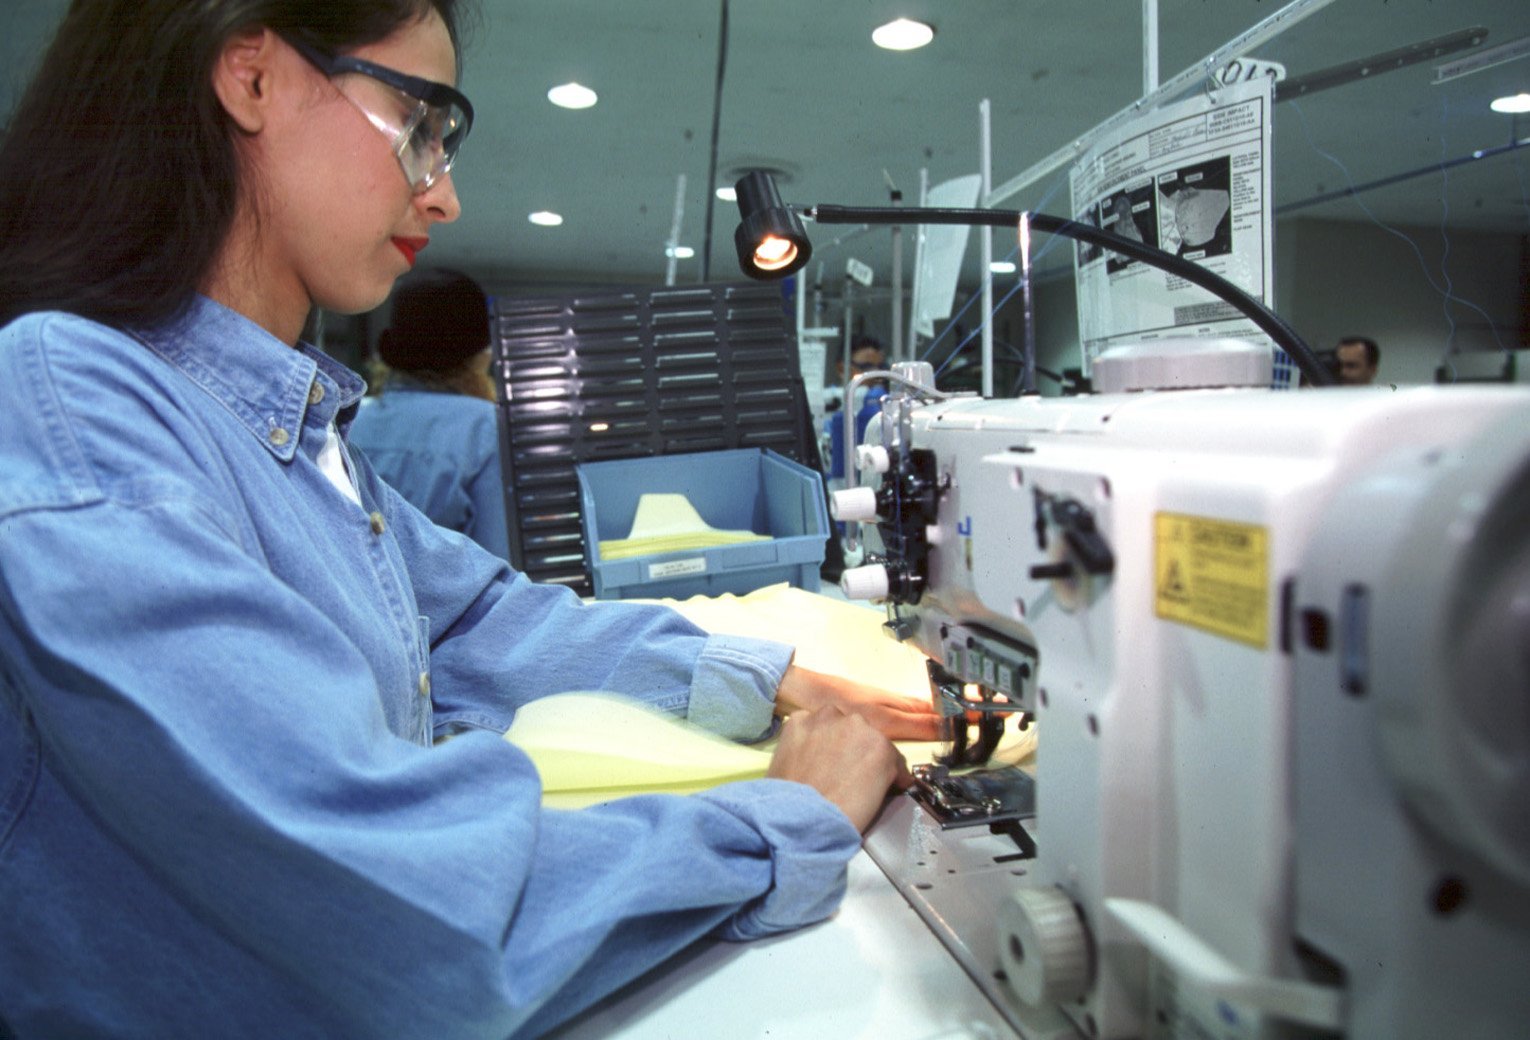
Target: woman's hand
(843, 758)
(895, 716)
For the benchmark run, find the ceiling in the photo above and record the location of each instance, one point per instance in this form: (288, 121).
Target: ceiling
(805, 92)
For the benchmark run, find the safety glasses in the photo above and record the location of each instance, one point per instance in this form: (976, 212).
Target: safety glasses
(425, 122)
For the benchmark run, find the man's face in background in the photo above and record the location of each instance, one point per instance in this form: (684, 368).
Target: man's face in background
(1354, 368)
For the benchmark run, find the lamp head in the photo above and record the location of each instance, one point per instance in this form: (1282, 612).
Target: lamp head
(770, 238)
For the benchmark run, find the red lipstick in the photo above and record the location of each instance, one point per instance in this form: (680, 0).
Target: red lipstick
(410, 247)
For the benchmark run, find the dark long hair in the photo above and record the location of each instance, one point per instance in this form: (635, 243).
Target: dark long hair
(118, 171)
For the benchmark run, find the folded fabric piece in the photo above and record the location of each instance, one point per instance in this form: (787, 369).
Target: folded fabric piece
(838, 637)
(669, 523)
(591, 747)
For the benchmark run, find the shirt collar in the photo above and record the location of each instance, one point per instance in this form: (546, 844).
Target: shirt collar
(266, 384)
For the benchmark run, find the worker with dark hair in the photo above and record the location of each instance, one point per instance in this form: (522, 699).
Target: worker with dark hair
(1358, 357)
(432, 432)
(253, 778)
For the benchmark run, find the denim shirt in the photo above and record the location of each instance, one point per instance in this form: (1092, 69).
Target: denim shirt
(440, 450)
(223, 811)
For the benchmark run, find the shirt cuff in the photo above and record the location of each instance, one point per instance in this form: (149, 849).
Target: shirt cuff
(810, 841)
(733, 688)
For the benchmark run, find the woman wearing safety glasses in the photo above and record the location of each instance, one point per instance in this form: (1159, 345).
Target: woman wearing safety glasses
(229, 653)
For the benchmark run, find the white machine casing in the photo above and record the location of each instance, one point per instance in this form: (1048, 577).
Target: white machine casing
(1251, 851)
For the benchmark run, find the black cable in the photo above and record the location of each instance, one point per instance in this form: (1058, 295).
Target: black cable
(1268, 321)
(722, 68)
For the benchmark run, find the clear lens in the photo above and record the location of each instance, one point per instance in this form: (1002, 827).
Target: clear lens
(424, 137)
(431, 146)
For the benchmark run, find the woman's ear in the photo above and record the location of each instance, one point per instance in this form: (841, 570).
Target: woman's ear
(242, 76)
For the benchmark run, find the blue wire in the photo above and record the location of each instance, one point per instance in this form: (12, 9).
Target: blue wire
(975, 332)
(1052, 242)
(951, 324)
(1423, 264)
(1049, 245)
(1450, 339)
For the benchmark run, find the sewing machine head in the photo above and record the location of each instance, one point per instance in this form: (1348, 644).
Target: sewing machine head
(1232, 614)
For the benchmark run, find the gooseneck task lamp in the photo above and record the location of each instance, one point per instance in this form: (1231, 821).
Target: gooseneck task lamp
(771, 240)
(772, 244)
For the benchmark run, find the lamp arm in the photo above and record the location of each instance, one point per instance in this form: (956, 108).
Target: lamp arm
(1268, 321)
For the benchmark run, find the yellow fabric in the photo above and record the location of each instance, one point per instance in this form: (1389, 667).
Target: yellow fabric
(590, 747)
(594, 747)
(831, 635)
(669, 523)
(838, 637)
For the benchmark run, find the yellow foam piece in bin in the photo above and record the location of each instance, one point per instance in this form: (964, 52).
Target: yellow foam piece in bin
(591, 747)
(667, 522)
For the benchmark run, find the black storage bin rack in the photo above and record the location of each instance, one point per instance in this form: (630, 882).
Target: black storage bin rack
(616, 374)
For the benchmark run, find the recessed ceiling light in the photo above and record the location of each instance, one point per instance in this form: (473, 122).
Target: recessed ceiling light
(1002, 267)
(680, 252)
(545, 218)
(572, 95)
(727, 194)
(1513, 105)
(902, 34)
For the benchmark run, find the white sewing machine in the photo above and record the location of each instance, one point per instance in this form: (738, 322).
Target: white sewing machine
(1277, 645)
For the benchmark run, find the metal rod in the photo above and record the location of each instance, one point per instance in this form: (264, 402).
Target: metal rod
(985, 111)
(1149, 46)
(717, 96)
(847, 405)
(913, 313)
(802, 323)
(897, 285)
(1028, 294)
(1511, 51)
(818, 295)
(1378, 64)
(674, 231)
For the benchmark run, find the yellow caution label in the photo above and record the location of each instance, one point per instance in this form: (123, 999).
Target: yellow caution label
(1213, 575)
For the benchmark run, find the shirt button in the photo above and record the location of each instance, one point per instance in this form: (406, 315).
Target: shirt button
(279, 436)
(424, 684)
(378, 527)
(316, 392)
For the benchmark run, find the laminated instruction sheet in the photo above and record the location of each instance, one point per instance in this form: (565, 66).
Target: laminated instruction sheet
(1192, 179)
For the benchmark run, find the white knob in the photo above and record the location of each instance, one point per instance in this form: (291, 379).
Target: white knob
(934, 534)
(1043, 946)
(857, 503)
(868, 582)
(872, 458)
(918, 372)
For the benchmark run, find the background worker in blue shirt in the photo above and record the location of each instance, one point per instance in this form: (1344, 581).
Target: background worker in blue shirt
(229, 652)
(865, 356)
(432, 432)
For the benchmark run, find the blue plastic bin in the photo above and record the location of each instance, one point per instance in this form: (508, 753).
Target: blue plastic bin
(747, 489)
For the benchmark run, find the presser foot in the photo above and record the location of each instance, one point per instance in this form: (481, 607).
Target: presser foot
(949, 695)
(984, 796)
